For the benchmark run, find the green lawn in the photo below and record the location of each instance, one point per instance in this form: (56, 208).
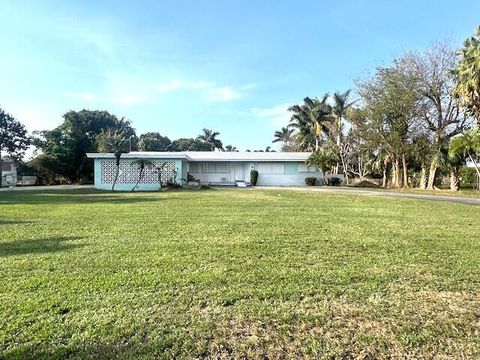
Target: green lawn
(237, 274)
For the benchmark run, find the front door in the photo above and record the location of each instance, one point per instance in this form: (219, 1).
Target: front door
(237, 172)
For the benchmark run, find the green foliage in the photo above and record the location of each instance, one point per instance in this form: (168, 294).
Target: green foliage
(334, 181)
(209, 137)
(13, 137)
(468, 176)
(189, 144)
(311, 181)
(323, 159)
(65, 147)
(153, 141)
(253, 177)
(467, 75)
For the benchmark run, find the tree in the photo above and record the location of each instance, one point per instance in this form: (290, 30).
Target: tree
(115, 141)
(210, 137)
(439, 111)
(467, 145)
(467, 76)
(313, 120)
(284, 136)
(141, 164)
(339, 111)
(189, 144)
(13, 138)
(66, 145)
(230, 148)
(391, 105)
(153, 141)
(323, 159)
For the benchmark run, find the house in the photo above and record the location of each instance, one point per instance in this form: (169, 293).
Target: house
(8, 172)
(209, 167)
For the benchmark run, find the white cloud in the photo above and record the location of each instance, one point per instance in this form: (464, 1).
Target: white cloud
(80, 95)
(277, 116)
(224, 93)
(182, 85)
(210, 90)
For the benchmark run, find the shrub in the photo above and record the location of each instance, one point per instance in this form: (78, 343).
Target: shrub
(334, 181)
(190, 177)
(468, 176)
(253, 177)
(311, 181)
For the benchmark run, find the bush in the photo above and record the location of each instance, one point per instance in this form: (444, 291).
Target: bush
(311, 181)
(468, 176)
(334, 181)
(253, 177)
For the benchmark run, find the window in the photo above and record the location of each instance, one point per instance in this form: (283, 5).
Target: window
(306, 169)
(194, 167)
(214, 167)
(271, 168)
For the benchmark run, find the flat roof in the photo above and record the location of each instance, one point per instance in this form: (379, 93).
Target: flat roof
(209, 155)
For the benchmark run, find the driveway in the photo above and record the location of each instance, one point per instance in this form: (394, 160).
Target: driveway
(369, 192)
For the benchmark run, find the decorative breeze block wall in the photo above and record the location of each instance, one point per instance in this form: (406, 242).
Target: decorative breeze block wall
(130, 171)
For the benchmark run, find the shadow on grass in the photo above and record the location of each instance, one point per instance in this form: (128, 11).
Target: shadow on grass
(14, 222)
(77, 197)
(38, 246)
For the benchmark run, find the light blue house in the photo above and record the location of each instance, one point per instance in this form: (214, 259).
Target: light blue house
(208, 167)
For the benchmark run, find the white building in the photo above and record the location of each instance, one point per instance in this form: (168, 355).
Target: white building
(209, 167)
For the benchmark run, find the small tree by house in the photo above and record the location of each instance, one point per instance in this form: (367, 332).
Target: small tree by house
(323, 159)
(115, 141)
(468, 145)
(142, 164)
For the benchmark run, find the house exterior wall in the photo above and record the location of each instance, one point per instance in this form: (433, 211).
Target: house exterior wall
(269, 173)
(105, 169)
(8, 173)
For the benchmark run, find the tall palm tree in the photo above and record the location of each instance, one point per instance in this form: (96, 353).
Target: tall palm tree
(284, 135)
(467, 76)
(210, 137)
(142, 164)
(115, 141)
(314, 116)
(339, 110)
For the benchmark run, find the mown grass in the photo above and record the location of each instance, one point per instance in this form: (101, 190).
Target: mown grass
(237, 274)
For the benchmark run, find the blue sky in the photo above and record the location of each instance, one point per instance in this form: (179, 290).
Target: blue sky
(233, 66)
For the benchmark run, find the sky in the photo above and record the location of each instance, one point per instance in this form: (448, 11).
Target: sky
(231, 66)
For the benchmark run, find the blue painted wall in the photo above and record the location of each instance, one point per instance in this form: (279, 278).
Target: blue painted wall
(128, 186)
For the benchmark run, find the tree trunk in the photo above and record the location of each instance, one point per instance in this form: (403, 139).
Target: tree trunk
(432, 175)
(405, 171)
(316, 143)
(396, 176)
(385, 172)
(423, 178)
(117, 162)
(477, 170)
(454, 180)
(139, 179)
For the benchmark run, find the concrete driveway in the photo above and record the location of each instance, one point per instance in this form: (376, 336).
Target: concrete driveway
(369, 192)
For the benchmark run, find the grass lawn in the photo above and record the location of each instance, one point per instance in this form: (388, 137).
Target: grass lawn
(237, 274)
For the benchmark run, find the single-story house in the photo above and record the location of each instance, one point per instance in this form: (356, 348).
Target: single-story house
(208, 167)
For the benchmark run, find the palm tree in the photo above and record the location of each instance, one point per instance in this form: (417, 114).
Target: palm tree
(339, 110)
(113, 140)
(284, 135)
(209, 137)
(314, 116)
(142, 164)
(467, 145)
(323, 159)
(467, 76)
